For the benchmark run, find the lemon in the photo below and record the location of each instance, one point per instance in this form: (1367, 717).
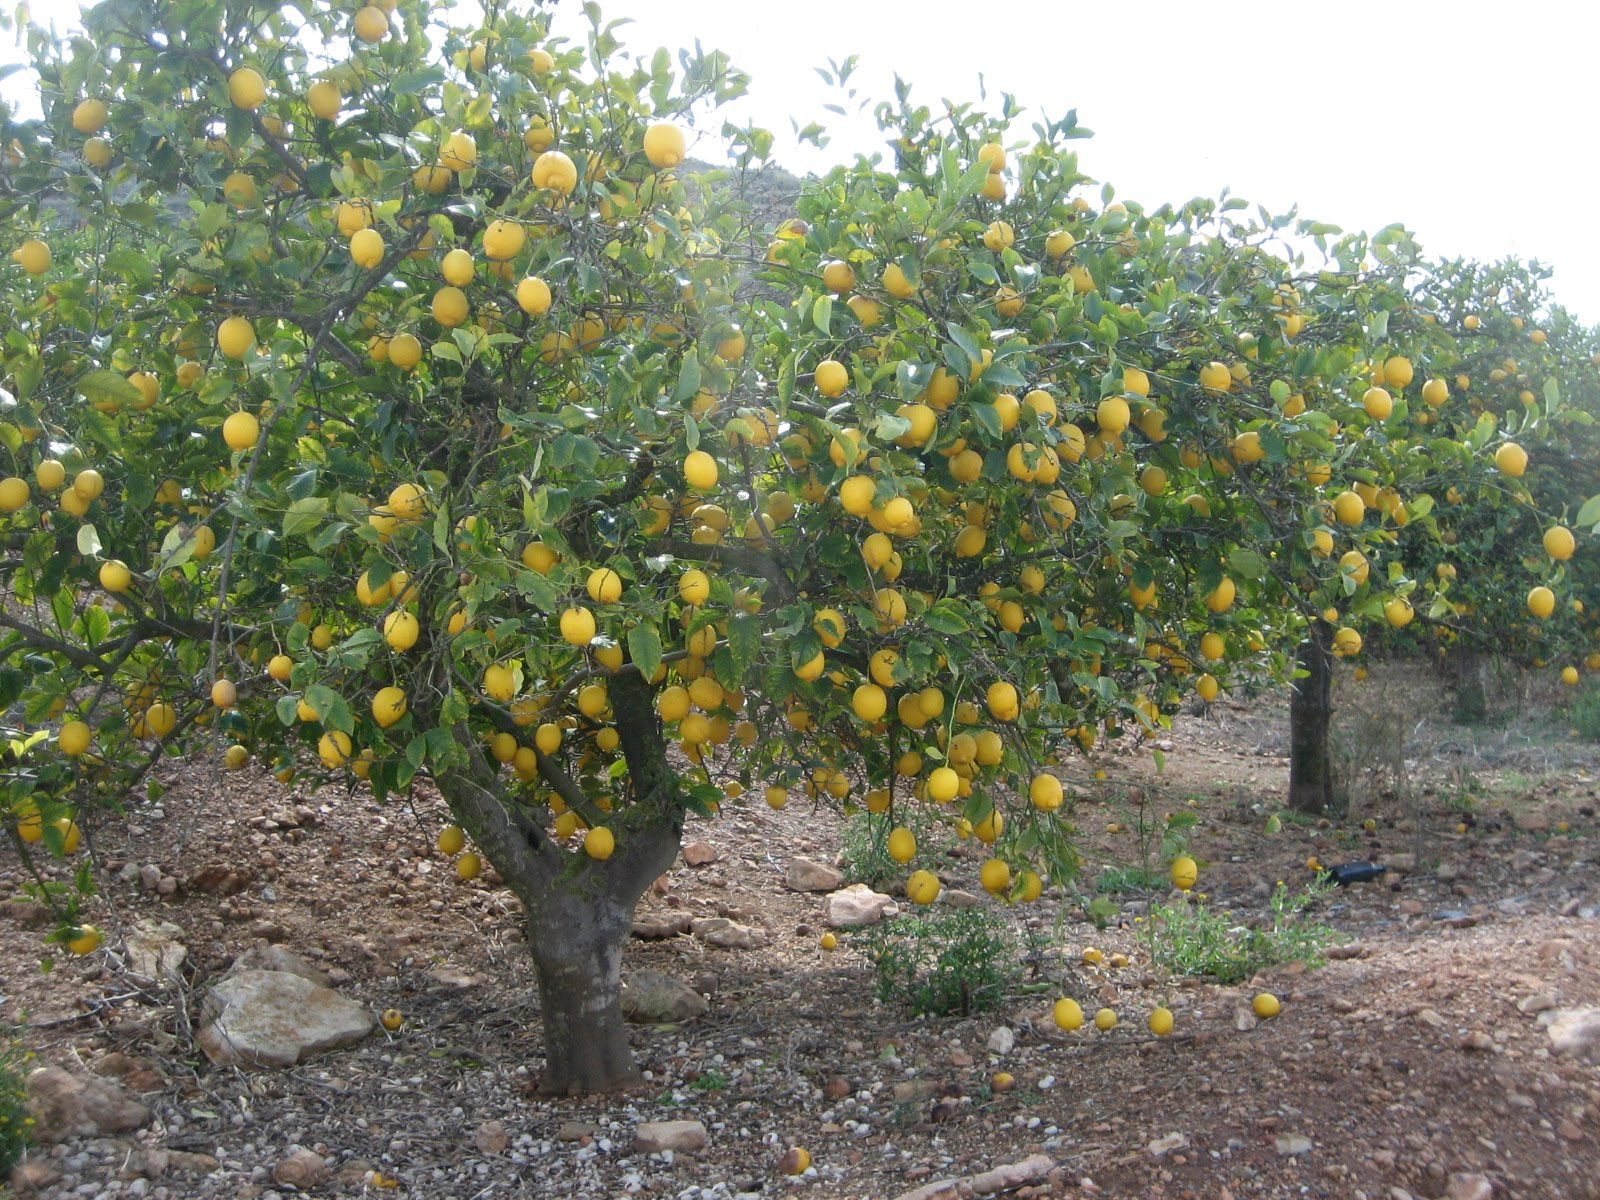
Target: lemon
(832, 378)
(33, 256)
(74, 738)
(577, 626)
(1068, 1014)
(1185, 872)
(366, 248)
(533, 296)
(995, 876)
(664, 145)
(449, 307)
(388, 706)
(240, 431)
(599, 843)
(401, 630)
(324, 99)
(504, 240)
(700, 471)
(89, 116)
(1105, 1020)
(1266, 1006)
(372, 24)
(922, 887)
(1161, 1021)
(247, 89)
(902, 844)
(555, 171)
(235, 337)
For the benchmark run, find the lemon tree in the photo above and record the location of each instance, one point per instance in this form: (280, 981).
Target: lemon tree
(392, 402)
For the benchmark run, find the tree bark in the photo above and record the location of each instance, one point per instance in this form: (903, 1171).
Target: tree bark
(1310, 716)
(579, 910)
(1472, 685)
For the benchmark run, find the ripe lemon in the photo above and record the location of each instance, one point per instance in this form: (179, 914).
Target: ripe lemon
(235, 337)
(776, 797)
(1221, 597)
(401, 630)
(89, 116)
(366, 248)
(694, 586)
(1105, 1020)
(604, 586)
(333, 748)
(86, 940)
(700, 471)
(74, 738)
(459, 152)
(1349, 508)
(391, 1019)
(1113, 415)
(1161, 1021)
(388, 706)
(599, 843)
(1398, 612)
(829, 941)
(324, 99)
(469, 866)
(838, 277)
(115, 576)
(1215, 377)
(224, 694)
(1266, 1006)
(943, 785)
(898, 284)
(577, 626)
(869, 702)
(1068, 1014)
(1398, 372)
(832, 378)
(503, 240)
(902, 845)
(922, 887)
(1003, 701)
(1541, 602)
(1378, 403)
(1207, 688)
(1185, 872)
(1559, 543)
(240, 431)
(449, 307)
(1511, 459)
(995, 875)
(247, 89)
(555, 171)
(49, 475)
(33, 256)
(372, 24)
(457, 268)
(664, 145)
(1346, 642)
(533, 296)
(405, 351)
(14, 493)
(1045, 792)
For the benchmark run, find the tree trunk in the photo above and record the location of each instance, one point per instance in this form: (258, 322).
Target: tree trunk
(579, 910)
(1310, 715)
(1472, 685)
(577, 949)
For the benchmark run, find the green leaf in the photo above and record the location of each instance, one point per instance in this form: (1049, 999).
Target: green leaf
(88, 540)
(1552, 397)
(688, 379)
(304, 515)
(1589, 514)
(103, 386)
(644, 648)
(1247, 564)
(822, 313)
(744, 641)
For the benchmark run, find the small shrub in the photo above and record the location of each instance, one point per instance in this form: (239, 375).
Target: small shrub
(1586, 714)
(864, 845)
(944, 962)
(1190, 939)
(15, 1122)
(1114, 880)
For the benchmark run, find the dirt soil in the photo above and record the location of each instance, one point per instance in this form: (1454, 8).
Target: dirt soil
(1413, 1061)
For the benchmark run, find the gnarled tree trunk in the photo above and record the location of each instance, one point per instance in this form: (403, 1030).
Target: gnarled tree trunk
(1471, 670)
(579, 911)
(1311, 787)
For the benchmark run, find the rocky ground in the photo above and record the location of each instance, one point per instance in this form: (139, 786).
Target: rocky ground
(1436, 1055)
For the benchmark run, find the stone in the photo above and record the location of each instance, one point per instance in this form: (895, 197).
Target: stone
(277, 958)
(1537, 1003)
(857, 905)
(1002, 1041)
(1429, 1017)
(700, 854)
(653, 998)
(730, 935)
(956, 898)
(837, 1087)
(910, 1091)
(805, 875)
(301, 1168)
(491, 1138)
(1532, 822)
(575, 1131)
(135, 1074)
(1244, 1020)
(219, 879)
(1171, 1143)
(276, 1019)
(33, 1177)
(651, 1137)
(1291, 1145)
(1574, 1031)
(1463, 1186)
(1007, 1178)
(653, 926)
(64, 1105)
(155, 952)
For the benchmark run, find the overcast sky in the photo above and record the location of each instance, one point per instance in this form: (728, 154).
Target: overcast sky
(1473, 124)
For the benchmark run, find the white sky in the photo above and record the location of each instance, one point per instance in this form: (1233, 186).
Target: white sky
(1472, 123)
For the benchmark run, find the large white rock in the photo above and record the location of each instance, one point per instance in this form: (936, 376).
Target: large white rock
(857, 905)
(1574, 1031)
(654, 1136)
(806, 875)
(651, 998)
(275, 1019)
(155, 951)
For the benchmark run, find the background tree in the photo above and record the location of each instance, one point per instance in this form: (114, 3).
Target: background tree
(387, 402)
